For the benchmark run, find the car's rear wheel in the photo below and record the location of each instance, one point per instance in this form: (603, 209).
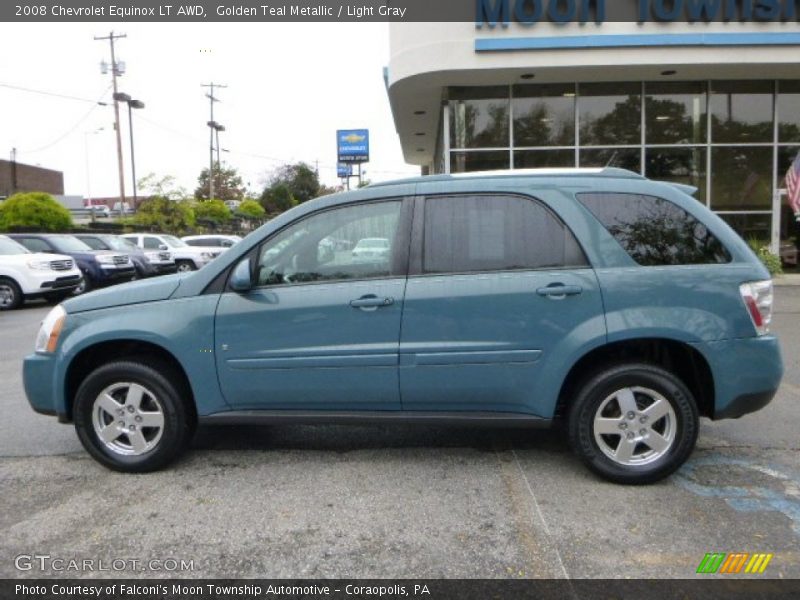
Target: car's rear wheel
(633, 423)
(184, 266)
(132, 416)
(10, 294)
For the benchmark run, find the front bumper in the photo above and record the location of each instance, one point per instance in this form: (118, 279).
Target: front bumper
(164, 268)
(747, 373)
(109, 274)
(38, 377)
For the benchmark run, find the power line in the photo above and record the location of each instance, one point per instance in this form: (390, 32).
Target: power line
(53, 94)
(70, 130)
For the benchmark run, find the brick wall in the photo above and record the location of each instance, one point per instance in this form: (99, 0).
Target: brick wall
(17, 177)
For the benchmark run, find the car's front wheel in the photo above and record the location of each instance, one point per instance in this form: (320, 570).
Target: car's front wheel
(633, 423)
(132, 416)
(10, 294)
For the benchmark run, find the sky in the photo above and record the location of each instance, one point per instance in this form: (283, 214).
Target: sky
(290, 87)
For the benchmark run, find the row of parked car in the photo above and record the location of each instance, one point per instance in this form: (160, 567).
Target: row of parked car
(56, 266)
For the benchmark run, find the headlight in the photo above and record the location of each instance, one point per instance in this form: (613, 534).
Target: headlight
(105, 259)
(39, 265)
(47, 338)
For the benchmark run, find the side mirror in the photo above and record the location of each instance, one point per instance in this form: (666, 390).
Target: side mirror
(241, 280)
(163, 247)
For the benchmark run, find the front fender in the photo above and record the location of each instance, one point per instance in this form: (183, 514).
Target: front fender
(183, 327)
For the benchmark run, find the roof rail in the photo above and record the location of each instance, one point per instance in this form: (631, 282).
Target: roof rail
(612, 172)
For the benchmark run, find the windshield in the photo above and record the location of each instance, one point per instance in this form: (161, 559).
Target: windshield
(173, 241)
(9, 246)
(116, 243)
(68, 243)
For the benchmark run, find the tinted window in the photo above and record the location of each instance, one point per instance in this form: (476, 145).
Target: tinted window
(151, 243)
(655, 231)
(353, 242)
(489, 233)
(35, 244)
(94, 243)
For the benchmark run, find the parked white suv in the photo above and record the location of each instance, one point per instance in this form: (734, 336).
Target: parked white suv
(187, 258)
(25, 275)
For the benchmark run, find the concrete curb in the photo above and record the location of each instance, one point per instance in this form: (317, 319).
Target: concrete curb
(787, 280)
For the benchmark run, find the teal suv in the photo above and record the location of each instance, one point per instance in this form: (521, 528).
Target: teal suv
(618, 305)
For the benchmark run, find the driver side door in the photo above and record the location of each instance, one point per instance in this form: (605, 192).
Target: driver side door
(320, 329)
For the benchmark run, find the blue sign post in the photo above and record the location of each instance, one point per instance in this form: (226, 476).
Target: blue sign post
(344, 170)
(352, 145)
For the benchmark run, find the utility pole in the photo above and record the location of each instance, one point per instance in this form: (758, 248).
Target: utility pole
(115, 71)
(213, 127)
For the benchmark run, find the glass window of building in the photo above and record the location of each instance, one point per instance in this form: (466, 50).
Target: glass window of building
(751, 226)
(544, 159)
(675, 113)
(741, 178)
(623, 158)
(741, 112)
(463, 162)
(680, 165)
(789, 111)
(610, 114)
(544, 115)
(479, 117)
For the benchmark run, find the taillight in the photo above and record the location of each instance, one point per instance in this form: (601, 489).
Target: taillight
(757, 296)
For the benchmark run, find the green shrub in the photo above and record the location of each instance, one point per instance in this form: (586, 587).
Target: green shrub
(36, 210)
(771, 261)
(250, 209)
(161, 214)
(211, 210)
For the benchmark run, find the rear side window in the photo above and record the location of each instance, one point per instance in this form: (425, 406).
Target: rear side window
(495, 233)
(654, 231)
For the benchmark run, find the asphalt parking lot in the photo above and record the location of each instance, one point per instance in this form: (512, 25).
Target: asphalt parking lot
(393, 501)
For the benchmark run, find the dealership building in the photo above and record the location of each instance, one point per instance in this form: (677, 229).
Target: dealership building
(715, 105)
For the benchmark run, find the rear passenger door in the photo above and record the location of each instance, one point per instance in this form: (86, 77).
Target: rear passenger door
(498, 291)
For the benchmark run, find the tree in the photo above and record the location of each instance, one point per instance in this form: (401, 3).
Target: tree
(278, 198)
(165, 215)
(163, 186)
(250, 209)
(211, 210)
(301, 180)
(228, 184)
(34, 209)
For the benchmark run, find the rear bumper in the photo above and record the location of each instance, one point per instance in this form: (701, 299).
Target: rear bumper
(747, 373)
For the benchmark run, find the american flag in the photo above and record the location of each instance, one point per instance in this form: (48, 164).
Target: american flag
(793, 186)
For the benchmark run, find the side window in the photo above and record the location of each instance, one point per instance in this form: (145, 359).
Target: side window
(353, 242)
(654, 231)
(495, 233)
(94, 243)
(35, 245)
(151, 243)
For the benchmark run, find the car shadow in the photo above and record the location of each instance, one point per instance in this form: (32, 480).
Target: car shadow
(348, 438)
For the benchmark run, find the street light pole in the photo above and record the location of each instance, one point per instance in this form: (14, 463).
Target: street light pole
(119, 96)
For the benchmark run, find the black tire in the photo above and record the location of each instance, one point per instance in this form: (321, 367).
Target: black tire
(10, 294)
(645, 383)
(184, 266)
(162, 386)
(85, 286)
(56, 297)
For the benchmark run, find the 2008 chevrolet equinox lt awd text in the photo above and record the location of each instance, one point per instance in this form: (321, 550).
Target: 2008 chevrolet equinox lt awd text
(620, 305)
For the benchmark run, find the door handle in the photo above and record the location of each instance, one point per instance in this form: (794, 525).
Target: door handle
(371, 302)
(559, 290)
